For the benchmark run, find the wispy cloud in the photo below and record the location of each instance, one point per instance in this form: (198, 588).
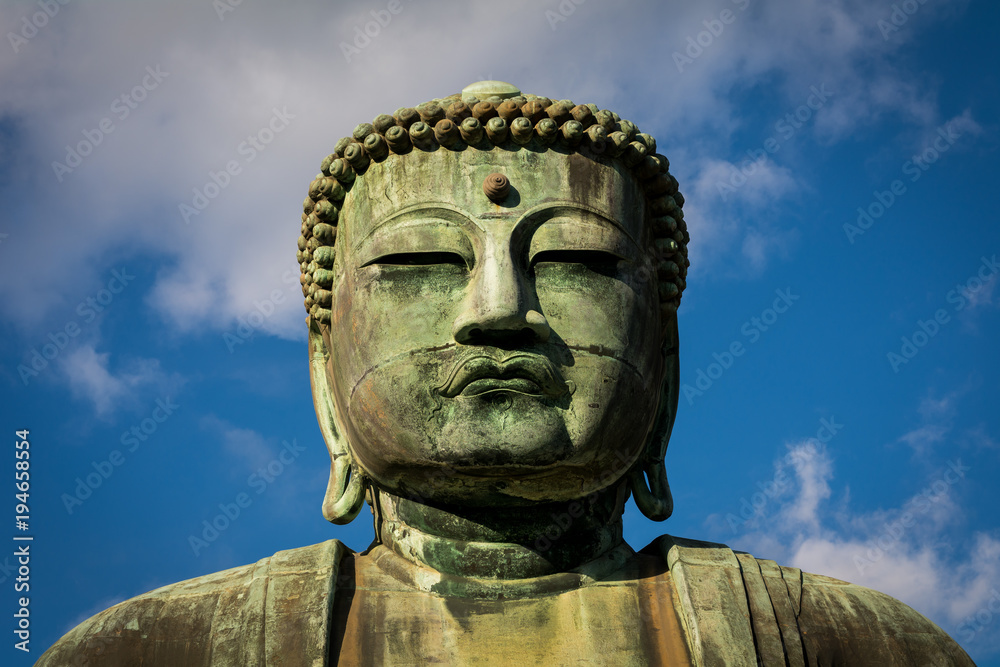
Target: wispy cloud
(125, 196)
(909, 552)
(923, 439)
(245, 445)
(984, 295)
(937, 417)
(91, 378)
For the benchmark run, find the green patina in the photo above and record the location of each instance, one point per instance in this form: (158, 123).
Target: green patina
(493, 350)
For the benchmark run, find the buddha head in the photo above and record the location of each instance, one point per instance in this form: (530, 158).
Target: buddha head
(492, 282)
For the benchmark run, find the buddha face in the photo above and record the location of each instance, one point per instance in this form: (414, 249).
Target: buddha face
(494, 354)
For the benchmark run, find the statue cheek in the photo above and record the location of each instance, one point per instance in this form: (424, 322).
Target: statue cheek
(385, 317)
(608, 312)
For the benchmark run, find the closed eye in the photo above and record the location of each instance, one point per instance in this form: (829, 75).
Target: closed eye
(594, 259)
(419, 259)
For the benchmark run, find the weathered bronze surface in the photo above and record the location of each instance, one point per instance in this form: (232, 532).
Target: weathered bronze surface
(492, 282)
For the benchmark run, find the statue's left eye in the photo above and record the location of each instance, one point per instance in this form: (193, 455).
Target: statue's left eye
(597, 260)
(420, 259)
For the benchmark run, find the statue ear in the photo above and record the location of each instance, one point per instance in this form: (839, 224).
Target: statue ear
(653, 497)
(345, 490)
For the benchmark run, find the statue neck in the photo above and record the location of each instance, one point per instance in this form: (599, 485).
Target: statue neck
(505, 542)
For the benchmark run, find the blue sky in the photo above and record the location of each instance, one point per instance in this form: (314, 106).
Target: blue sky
(838, 334)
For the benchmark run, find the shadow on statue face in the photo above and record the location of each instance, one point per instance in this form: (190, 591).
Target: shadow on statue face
(514, 347)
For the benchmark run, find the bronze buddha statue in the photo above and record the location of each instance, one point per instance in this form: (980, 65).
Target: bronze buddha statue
(492, 281)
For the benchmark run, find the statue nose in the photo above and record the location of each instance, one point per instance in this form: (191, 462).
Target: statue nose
(500, 307)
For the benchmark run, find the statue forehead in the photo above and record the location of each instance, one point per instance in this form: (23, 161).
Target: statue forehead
(455, 178)
(559, 156)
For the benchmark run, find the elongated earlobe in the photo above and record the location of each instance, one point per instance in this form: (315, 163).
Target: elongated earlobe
(345, 491)
(648, 479)
(653, 498)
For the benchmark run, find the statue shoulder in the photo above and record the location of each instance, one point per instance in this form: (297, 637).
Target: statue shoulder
(883, 630)
(240, 616)
(738, 609)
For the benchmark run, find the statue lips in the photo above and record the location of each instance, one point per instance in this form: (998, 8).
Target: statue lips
(522, 373)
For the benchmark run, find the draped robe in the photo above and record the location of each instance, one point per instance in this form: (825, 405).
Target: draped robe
(677, 602)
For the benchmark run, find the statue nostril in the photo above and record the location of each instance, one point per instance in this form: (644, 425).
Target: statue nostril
(475, 333)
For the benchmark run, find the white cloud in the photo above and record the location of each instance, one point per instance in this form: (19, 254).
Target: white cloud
(908, 552)
(981, 294)
(980, 439)
(924, 438)
(939, 408)
(90, 378)
(813, 470)
(964, 123)
(731, 205)
(937, 417)
(244, 444)
(273, 464)
(225, 78)
(754, 183)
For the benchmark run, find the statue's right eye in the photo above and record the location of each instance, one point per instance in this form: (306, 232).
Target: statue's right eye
(590, 258)
(419, 259)
(597, 261)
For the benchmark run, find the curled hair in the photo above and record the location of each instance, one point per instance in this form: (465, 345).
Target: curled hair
(519, 121)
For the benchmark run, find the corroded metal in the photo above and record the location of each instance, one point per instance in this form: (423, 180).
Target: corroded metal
(483, 111)
(406, 117)
(458, 111)
(495, 376)
(446, 133)
(509, 110)
(497, 187)
(521, 131)
(472, 131)
(509, 119)
(398, 139)
(496, 130)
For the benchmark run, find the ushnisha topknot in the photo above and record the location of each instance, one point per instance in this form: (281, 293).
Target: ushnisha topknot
(485, 115)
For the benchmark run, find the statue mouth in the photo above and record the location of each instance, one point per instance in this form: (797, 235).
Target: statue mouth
(521, 373)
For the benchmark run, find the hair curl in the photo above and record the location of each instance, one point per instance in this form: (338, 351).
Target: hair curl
(462, 120)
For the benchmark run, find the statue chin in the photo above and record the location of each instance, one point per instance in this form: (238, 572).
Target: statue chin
(533, 459)
(509, 440)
